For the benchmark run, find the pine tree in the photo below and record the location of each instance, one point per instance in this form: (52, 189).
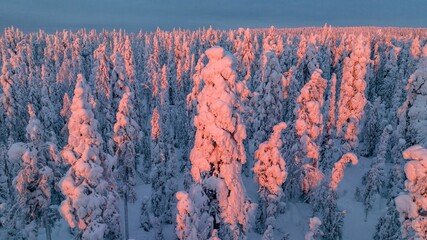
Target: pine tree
(309, 126)
(388, 226)
(352, 94)
(413, 108)
(218, 149)
(267, 100)
(375, 178)
(126, 134)
(372, 127)
(88, 184)
(35, 181)
(314, 232)
(270, 173)
(411, 203)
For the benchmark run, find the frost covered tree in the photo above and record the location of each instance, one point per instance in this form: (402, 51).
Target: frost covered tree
(163, 159)
(267, 100)
(329, 143)
(48, 116)
(338, 170)
(218, 152)
(270, 173)
(372, 127)
(146, 217)
(332, 96)
(120, 85)
(193, 220)
(324, 202)
(65, 113)
(163, 177)
(90, 204)
(352, 94)
(13, 96)
(411, 204)
(101, 80)
(314, 232)
(374, 180)
(309, 126)
(388, 226)
(246, 56)
(126, 134)
(268, 234)
(391, 77)
(413, 119)
(35, 185)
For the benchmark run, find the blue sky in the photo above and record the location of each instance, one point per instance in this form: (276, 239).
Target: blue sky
(132, 15)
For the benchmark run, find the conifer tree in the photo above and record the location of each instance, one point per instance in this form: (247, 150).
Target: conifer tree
(90, 204)
(270, 173)
(126, 134)
(218, 150)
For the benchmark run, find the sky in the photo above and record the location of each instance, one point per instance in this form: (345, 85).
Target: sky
(135, 15)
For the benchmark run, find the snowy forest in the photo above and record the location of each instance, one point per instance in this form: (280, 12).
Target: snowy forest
(303, 133)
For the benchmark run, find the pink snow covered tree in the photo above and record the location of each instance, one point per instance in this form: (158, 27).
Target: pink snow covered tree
(90, 203)
(270, 173)
(412, 204)
(309, 126)
(218, 152)
(352, 93)
(338, 170)
(126, 134)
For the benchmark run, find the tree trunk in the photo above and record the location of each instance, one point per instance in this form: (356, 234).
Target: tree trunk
(126, 215)
(47, 226)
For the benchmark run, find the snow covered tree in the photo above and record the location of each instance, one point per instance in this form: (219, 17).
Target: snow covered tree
(388, 226)
(267, 100)
(416, 48)
(268, 234)
(120, 86)
(161, 174)
(414, 117)
(13, 95)
(391, 77)
(338, 170)
(246, 56)
(102, 82)
(48, 115)
(35, 181)
(65, 113)
(126, 134)
(372, 127)
(270, 173)
(90, 203)
(411, 204)
(314, 232)
(146, 218)
(218, 151)
(163, 159)
(332, 106)
(375, 178)
(309, 126)
(193, 220)
(329, 143)
(352, 94)
(324, 202)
